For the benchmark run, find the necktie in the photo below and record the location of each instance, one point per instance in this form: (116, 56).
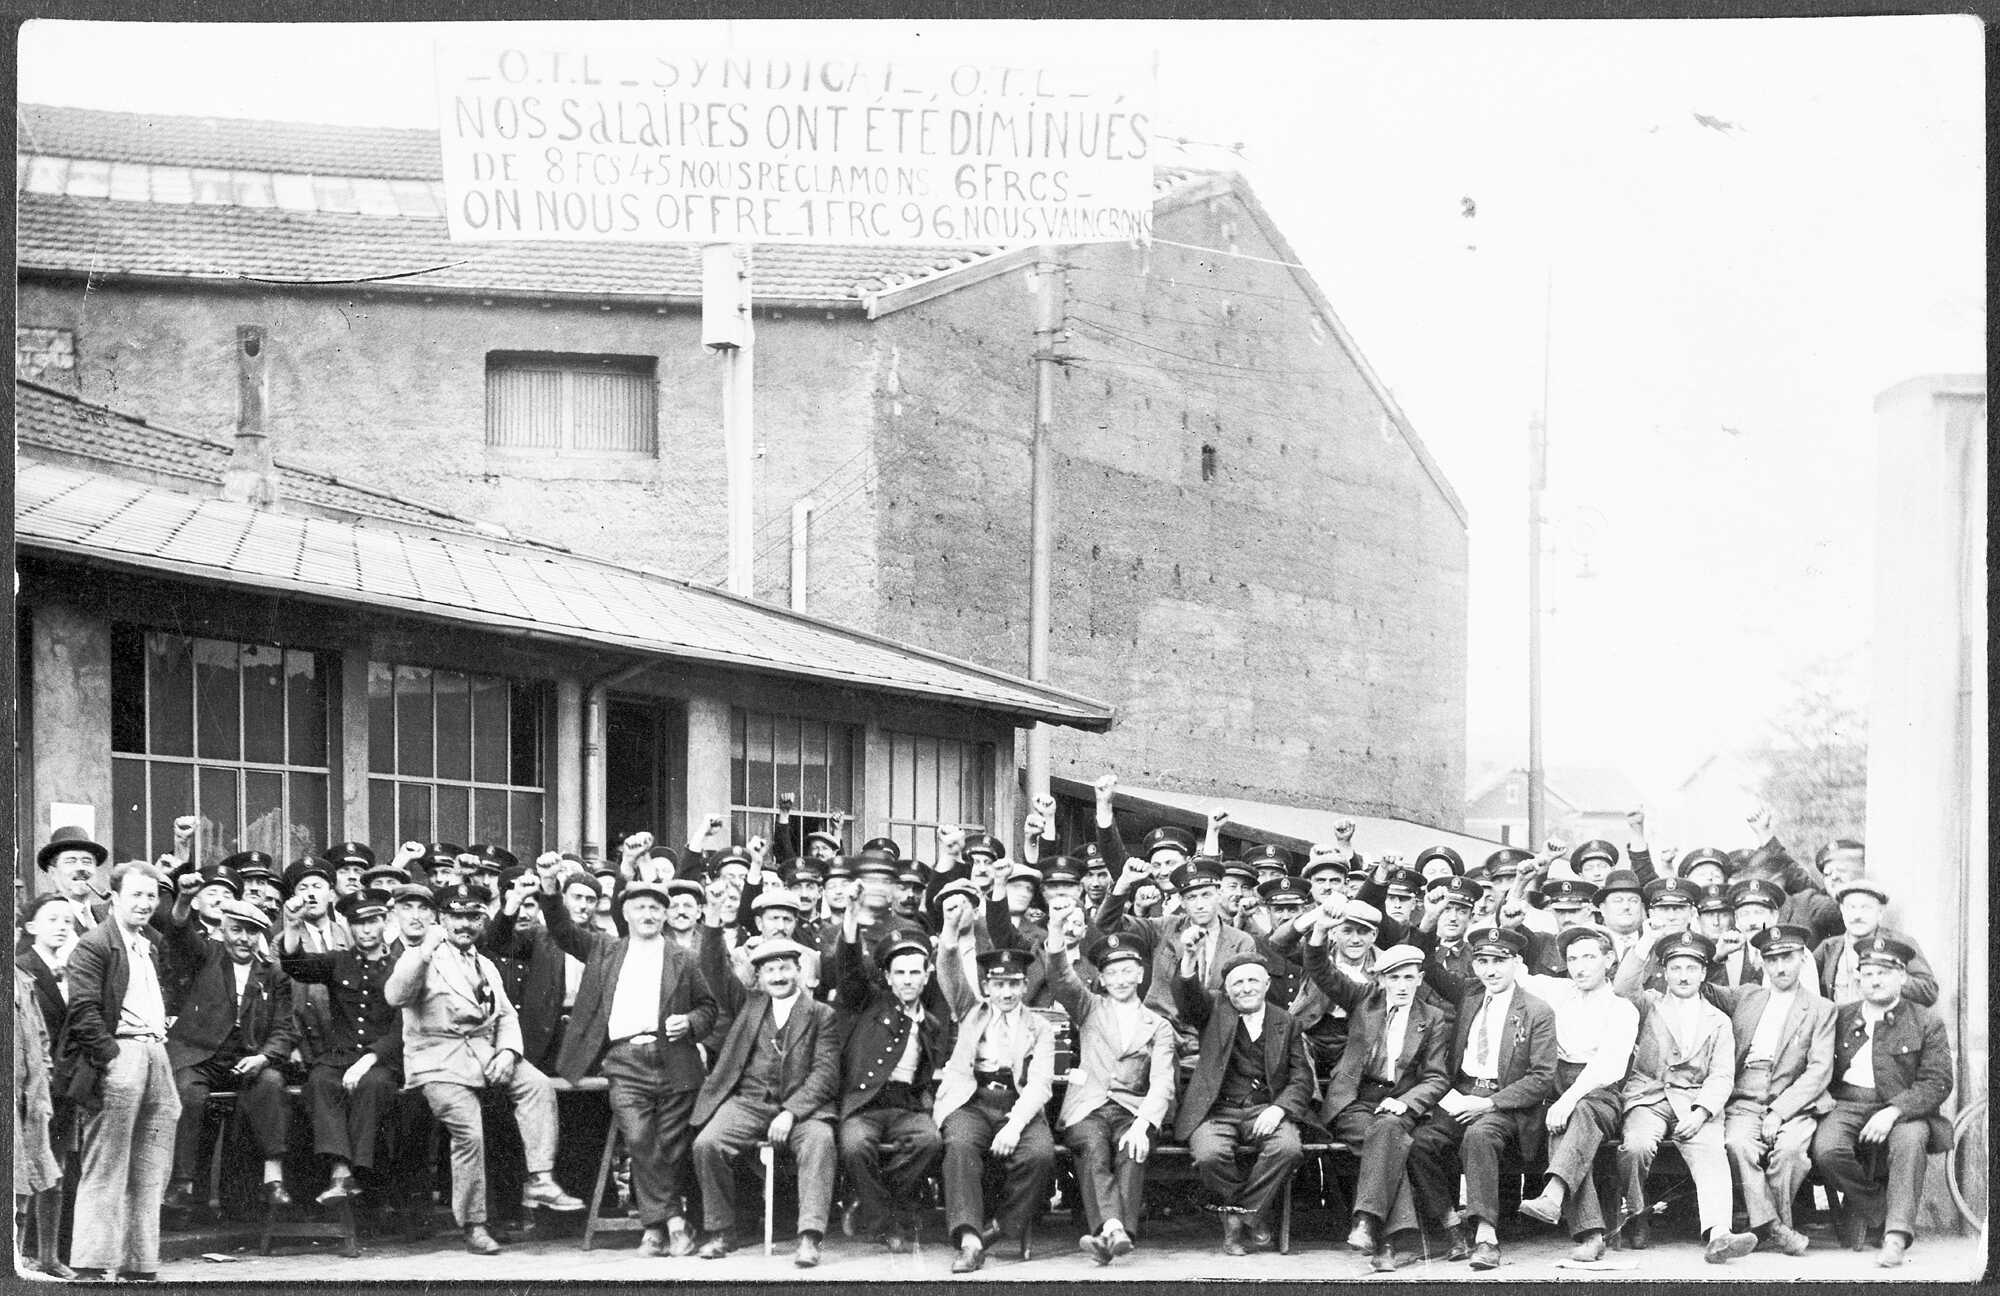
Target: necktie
(1201, 957)
(1383, 1065)
(1482, 1041)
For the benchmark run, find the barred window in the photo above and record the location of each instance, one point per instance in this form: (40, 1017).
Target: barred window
(555, 402)
(772, 754)
(936, 781)
(456, 757)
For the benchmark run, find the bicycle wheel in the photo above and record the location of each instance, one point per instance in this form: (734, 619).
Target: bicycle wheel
(1965, 1165)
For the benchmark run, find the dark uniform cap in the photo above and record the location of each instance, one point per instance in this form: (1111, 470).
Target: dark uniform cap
(301, 869)
(1092, 858)
(69, 839)
(804, 868)
(1507, 859)
(839, 867)
(666, 853)
(1596, 849)
(1505, 942)
(958, 887)
(1064, 872)
(439, 853)
(1116, 947)
(1706, 855)
(1715, 898)
(1359, 872)
(1285, 890)
(1863, 885)
(512, 871)
(874, 862)
(1618, 879)
(1167, 837)
(1568, 892)
(414, 891)
(348, 852)
(1463, 890)
(1404, 881)
(883, 844)
(1885, 951)
(242, 862)
(1569, 936)
(493, 859)
(909, 876)
(660, 891)
(1780, 938)
(222, 874)
(1266, 856)
(1671, 891)
(466, 897)
(1201, 871)
(1445, 853)
(1761, 891)
(900, 945)
(369, 902)
(1239, 868)
(1688, 944)
(984, 844)
(832, 842)
(1005, 963)
(734, 855)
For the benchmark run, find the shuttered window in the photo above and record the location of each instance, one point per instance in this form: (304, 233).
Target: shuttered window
(579, 403)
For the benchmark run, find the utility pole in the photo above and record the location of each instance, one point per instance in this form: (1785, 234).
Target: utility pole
(1041, 501)
(1538, 480)
(726, 327)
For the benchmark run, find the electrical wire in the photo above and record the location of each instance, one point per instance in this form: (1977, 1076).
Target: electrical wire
(1178, 355)
(1172, 282)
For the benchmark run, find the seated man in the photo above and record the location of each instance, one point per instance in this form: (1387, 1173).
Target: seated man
(1118, 1096)
(1392, 1070)
(1863, 904)
(234, 1031)
(1891, 1072)
(1682, 1070)
(460, 1035)
(1503, 1060)
(990, 1100)
(774, 1078)
(1250, 1094)
(1595, 1032)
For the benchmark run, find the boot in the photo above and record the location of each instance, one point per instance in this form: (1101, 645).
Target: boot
(479, 1241)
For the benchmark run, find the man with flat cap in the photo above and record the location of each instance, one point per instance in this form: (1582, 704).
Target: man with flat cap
(1117, 1099)
(1892, 1072)
(1250, 1094)
(775, 1078)
(1784, 1038)
(1863, 905)
(990, 1100)
(354, 1083)
(1503, 1060)
(460, 1035)
(1596, 1030)
(642, 1006)
(1393, 1068)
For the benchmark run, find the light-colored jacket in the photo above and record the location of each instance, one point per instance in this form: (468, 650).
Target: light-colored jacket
(1137, 1072)
(1034, 1060)
(446, 1034)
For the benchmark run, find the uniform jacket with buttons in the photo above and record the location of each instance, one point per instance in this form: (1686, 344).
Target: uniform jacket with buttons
(1912, 1062)
(871, 1028)
(544, 977)
(1804, 1065)
(1140, 1067)
(360, 1018)
(1920, 989)
(1422, 1063)
(684, 989)
(1034, 1060)
(210, 1009)
(808, 1073)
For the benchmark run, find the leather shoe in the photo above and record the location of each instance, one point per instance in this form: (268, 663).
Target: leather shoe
(1893, 1247)
(1362, 1238)
(1724, 1246)
(1384, 1260)
(54, 1268)
(1782, 1237)
(1257, 1233)
(896, 1239)
(1854, 1232)
(1590, 1249)
(971, 1254)
(1094, 1246)
(1545, 1208)
(1119, 1240)
(990, 1234)
(680, 1242)
(808, 1253)
(549, 1196)
(1460, 1243)
(1232, 1235)
(180, 1197)
(716, 1247)
(339, 1190)
(479, 1241)
(653, 1242)
(1486, 1255)
(1639, 1231)
(274, 1193)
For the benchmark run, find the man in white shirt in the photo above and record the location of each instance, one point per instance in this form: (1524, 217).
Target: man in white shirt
(1595, 1032)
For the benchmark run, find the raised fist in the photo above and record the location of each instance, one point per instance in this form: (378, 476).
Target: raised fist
(1217, 817)
(410, 850)
(1031, 827)
(184, 827)
(759, 849)
(548, 862)
(1343, 831)
(1636, 821)
(1045, 806)
(295, 911)
(1106, 786)
(951, 840)
(786, 800)
(1191, 939)
(714, 823)
(189, 883)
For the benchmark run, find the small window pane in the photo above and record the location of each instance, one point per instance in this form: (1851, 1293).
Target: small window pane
(526, 828)
(413, 720)
(221, 831)
(839, 774)
(308, 821)
(757, 740)
(47, 174)
(737, 781)
(381, 718)
(373, 197)
(253, 189)
(454, 813)
(525, 743)
(413, 813)
(925, 801)
(812, 796)
(334, 194)
(130, 183)
(218, 701)
(414, 198)
(264, 825)
(785, 744)
(170, 696)
(89, 178)
(128, 689)
(173, 796)
(128, 811)
(489, 729)
(382, 814)
(293, 192)
(454, 726)
(263, 706)
(305, 692)
(489, 818)
(213, 188)
(172, 184)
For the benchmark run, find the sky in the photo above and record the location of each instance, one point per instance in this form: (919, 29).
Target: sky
(1743, 230)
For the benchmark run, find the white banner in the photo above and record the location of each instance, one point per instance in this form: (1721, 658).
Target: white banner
(646, 146)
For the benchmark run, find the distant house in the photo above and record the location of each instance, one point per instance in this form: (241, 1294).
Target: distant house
(1582, 802)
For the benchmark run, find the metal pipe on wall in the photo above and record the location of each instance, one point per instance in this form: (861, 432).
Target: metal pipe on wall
(593, 756)
(802, 511)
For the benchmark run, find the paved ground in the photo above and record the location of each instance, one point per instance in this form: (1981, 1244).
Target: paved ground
(1187, 1249)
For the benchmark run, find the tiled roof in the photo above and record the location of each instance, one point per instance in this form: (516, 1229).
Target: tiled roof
(1297, 828)
(102, 236)
(52, 420)
(491, 583)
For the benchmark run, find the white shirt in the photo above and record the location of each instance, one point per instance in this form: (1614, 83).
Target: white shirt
(905, 1070)
(1861, 1071)
(635, 1001)
(1770, 1027)
(242, 973)
(781, 1011)
(1490, 1022)
(572, 978)
(997, 1045)
(144, 1011)
(1596, 1030)
(1396, 1020)
(1253, 1025)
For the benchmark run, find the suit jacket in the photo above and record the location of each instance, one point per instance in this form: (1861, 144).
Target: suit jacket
(1034, 1061)
(448, 1034)
(1136, 1072)
(48, 995)
(1697, 1068)
(544, 976)
(1804, 1065)
(1165, 937)
(99, 973)
(1423, 1061)
(1287, 1070)
(870, 1028)
(809, 1074)
(1912, 1057)
(1527, 1062)
(684, 989)
(1921, 989)
(210, 1009)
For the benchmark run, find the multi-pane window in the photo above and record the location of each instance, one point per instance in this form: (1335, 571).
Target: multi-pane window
(455, 757)
(556, 402)
(772, 754)
(934, 781)
(46, 356)
(234, 733)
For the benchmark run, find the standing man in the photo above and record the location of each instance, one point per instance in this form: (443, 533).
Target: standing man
(1862, 904)
(73, 860)
(114, 1066)
(774, 1078)
(460, 1034)
(1891, 1074)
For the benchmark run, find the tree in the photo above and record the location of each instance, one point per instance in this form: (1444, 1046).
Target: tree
(1814, 769)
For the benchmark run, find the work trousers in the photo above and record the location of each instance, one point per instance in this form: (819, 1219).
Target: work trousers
(456, 1107)
(1443, 1146)
(1882, 1181)
(1639, 1143)
(1111, 1183)
(1769, 1172)
(882, 1179)
(1030, 1169)
(1381, 1188)
(1573, 1152)
(1219, 1144)
(349, 1125)
(260, 1102)
(739, 1125)
(128, 1148)
(653, 1122)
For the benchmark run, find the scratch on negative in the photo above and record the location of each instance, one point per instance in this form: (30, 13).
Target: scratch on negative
(400, 274)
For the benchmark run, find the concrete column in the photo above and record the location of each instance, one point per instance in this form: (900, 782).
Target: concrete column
(351, 759)
(873, 807)
(569, 765)
(707, 759)
(72, 720)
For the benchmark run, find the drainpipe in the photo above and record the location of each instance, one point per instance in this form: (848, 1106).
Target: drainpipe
(250, 477)
(593, 756)
(802, 511)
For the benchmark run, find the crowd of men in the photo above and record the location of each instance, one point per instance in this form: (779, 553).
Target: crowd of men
(881, 1022)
